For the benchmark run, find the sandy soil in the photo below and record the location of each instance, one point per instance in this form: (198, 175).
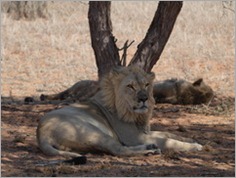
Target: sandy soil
(212, 126)
(48, 56)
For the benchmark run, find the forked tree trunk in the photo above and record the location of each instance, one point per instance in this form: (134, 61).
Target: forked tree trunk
(103, 41)
(25, 9)
(149, 50)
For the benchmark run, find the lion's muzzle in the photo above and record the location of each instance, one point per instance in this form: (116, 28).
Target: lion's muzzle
(142, 96)
(142, 105)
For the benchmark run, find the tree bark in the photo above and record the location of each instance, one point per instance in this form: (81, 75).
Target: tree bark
(106, 51)
(150, 49)
(25, 9)
(103, 41)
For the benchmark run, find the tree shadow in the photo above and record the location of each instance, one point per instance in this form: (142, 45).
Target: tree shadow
(219, 137)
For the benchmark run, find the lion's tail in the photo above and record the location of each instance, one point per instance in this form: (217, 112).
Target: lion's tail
(52, 151)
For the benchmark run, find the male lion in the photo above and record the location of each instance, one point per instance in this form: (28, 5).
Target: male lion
(114, 121)
(178, 91)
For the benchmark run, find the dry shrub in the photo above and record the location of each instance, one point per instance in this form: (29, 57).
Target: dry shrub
(25, 9)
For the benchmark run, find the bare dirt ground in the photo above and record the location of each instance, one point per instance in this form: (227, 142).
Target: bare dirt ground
(48, 56)
(212, 126)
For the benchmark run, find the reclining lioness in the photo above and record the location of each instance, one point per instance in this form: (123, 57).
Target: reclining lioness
(114, 121)
(179, 91)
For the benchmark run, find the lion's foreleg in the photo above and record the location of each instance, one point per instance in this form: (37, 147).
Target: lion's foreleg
(163, 142)
(170, 135)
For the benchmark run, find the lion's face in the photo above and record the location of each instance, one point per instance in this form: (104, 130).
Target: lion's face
(133, 93)
(201, 93)
(130, 91)
(195, 93)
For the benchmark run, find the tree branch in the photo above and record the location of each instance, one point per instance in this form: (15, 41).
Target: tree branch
(150, 49)
(124, 56)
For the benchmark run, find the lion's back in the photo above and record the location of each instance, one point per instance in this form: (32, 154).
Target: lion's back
(70, 121)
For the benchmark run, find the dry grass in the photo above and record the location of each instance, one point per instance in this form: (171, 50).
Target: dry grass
(223, 106)
(47, 56)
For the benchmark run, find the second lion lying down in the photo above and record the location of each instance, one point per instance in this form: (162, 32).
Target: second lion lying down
(114, 121)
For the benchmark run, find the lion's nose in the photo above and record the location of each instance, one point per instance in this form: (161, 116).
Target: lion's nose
(142, 96)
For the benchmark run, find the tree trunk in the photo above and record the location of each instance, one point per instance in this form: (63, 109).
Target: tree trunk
(150, 49)
(105, 49)
(25, 9)
(103, 41)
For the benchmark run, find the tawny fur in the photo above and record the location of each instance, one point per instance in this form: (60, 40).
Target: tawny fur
(179, 91)
(174, 91)
(116, 99)
(80, 91)
(114, 121)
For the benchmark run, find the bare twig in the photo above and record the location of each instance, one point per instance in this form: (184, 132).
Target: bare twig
(124, 56)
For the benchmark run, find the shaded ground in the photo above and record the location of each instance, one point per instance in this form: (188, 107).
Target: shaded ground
(48, 56)
(212, 126)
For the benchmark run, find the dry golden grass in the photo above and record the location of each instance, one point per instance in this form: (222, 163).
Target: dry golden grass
(48, 56)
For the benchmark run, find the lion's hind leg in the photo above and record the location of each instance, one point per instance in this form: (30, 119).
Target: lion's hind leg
(50, 150)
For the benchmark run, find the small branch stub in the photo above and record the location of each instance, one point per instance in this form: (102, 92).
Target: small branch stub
(124, 56)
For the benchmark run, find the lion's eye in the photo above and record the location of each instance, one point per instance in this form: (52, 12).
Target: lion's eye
(131, 87)
(147, 85)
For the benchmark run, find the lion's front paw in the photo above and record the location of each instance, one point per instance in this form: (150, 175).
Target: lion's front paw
(153, 149)
(197, 147)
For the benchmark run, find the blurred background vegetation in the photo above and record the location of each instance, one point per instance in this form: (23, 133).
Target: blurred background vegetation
(49, 54)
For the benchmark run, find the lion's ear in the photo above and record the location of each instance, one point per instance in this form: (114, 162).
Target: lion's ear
(198, 82)
(151, 76)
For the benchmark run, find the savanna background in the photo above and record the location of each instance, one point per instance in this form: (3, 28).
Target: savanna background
(49, 55)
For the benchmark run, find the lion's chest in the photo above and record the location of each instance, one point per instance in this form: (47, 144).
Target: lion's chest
(96, 116)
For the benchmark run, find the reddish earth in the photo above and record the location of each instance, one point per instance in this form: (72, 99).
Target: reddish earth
(212, 126)
(48, 56)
